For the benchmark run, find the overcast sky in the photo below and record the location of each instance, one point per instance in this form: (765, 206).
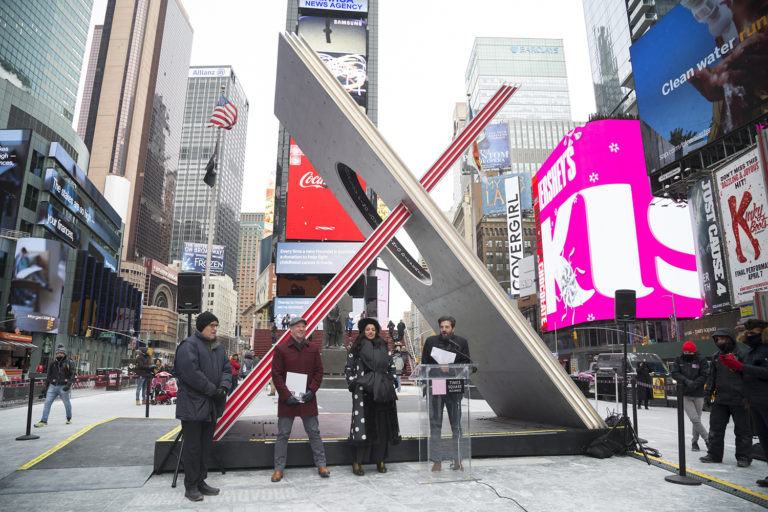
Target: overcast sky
(424, 46)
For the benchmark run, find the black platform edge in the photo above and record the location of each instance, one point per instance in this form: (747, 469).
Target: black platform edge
(259, 454)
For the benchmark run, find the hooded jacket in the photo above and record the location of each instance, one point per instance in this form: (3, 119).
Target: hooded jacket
(62, 371)
(691, 373)
(201, 366)
(755, 371)
(726, 385)
(143, 363)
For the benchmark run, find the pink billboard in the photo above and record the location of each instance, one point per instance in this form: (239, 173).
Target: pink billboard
(599, 230)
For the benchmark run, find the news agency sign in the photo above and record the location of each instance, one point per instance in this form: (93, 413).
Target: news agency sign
(338, 5)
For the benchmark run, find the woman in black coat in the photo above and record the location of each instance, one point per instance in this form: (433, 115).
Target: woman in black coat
(370, 375)
(643, 384)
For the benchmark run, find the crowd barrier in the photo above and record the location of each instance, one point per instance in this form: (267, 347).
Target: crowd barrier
(18, 389)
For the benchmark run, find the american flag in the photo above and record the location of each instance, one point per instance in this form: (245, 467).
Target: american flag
(224, 115)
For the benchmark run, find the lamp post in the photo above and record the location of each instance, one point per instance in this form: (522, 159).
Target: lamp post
(674, 318)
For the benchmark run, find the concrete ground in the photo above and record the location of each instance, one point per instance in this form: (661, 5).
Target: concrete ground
(525, 483)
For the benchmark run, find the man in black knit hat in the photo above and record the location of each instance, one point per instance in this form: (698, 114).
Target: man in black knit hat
(204, 375)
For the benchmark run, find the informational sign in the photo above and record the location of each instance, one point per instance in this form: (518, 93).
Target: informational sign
(294, 307)
(194, 255)
(696, 76)
(14, 147)
(601, 230)
(313, 257)
(743, 209)
(494, 147)
(39, 272)
(382, 292)
(514, 233)
(313, 212)
(336, 5)
(710, 251)
(528, 276)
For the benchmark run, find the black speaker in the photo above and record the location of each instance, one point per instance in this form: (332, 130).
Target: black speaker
(626, 305)
(190, 292)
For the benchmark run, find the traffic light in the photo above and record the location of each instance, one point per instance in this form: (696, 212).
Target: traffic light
(49, 325)
(88, 333)
(575, 335)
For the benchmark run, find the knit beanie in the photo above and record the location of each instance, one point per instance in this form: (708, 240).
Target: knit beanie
(689, 346)
(204, 319)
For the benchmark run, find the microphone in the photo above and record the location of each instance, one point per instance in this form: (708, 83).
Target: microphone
(458, 349)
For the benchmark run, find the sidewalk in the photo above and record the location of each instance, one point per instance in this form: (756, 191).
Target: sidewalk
(535, 483)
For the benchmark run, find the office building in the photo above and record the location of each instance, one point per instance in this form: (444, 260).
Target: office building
(135, 118)
(205, 85)
(90, 76)
(41, 49)
(251, 232)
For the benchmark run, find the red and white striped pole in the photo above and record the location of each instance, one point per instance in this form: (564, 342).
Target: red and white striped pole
(330, 295)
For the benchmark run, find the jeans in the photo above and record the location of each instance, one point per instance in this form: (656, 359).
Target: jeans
(399, 382)
(452, 402)
(311, 427)
(141, 387)
(50, 396)
(693, 406)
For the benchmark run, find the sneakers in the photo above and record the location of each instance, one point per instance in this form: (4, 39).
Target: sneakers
(695, 447)
(708, 458)
(193, 495)
(743, 463)
(138, 402)
(69, 421)
(41, 424)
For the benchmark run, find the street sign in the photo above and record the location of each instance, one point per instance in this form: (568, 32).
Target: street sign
(106, 335)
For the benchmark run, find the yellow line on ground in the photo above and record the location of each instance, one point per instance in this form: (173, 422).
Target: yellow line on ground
(169, 436)
(709, 477)
(62, 445)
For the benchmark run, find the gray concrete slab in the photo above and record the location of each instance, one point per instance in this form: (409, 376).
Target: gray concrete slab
(536, 483)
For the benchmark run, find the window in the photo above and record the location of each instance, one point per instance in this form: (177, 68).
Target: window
(30, 198)
(489, 266)
(489, 243)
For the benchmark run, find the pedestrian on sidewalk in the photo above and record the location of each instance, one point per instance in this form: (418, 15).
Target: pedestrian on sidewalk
(204, 376)
(754, 371)
(370, 375)
(391, 329)
(401, 331)
(235, 362)
(727, 386)
(299, 357)
(691, 370)
(61, 376)
(144, 371)
(399, 360)
(644, 381)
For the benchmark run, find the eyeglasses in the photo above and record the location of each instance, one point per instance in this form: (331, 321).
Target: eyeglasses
(215, 326)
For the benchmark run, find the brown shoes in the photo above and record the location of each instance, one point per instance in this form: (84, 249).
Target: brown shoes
(437, 466)
(277, 476)
(457, 466)
(381, 467)
(357, 469)
(323, 472)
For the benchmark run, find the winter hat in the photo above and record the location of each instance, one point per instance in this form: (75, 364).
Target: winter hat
(204, 319)
(61, 350)
(365, 321)
(297, 320)
(689, 346)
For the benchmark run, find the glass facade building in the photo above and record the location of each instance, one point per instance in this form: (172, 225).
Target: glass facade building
(251, 232)
(41, 49)
(198, 143)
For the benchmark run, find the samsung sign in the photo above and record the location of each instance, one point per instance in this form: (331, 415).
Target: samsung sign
(209, 72)
(534, 49)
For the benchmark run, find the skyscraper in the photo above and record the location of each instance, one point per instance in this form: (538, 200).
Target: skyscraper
(192, 198)
(41, 49)
(136, 112)
(251, 231)
(90, 76)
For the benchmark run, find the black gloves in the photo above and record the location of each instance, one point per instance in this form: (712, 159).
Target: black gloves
(292, 400)
(220, 393)
(66, 388)
(309, 395)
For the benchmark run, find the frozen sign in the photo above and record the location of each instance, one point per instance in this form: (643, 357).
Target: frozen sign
(601, 230)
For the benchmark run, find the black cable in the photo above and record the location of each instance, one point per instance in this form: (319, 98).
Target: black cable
(502, 497)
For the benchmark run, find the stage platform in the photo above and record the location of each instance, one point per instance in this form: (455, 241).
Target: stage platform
(250, 442)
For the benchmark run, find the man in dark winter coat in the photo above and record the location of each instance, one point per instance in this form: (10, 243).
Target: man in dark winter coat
(297, 356)
(447, 340)
(401, 331)
(204, 375)
(61, 376)
(144, 371)
(691, 370)
(727, 386)
(754, 369)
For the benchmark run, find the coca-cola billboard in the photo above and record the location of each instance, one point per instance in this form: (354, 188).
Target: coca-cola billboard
(313, 211)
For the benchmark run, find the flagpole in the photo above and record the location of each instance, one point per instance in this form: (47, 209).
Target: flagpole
(212, 214)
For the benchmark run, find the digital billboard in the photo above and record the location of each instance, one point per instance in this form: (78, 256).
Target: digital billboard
(744, 212)
(293, 307)
(710, 251)
(494, 194)
(601, 230)
(194, 256)
(342, 46)
(14, 148)
(337, 5)
(39, 272)
(313, 257)
(494, 147)
(313, 213)
(698, 80)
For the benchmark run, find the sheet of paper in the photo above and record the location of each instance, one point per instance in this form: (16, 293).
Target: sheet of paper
(442, 356)
(438, 387)
(296, 382)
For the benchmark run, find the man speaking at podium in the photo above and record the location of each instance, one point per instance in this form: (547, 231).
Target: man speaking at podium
(434, 352)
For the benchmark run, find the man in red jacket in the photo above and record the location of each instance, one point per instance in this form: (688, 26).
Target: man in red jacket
(297, 363)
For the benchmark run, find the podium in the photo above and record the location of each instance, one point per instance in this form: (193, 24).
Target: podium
(444, 428)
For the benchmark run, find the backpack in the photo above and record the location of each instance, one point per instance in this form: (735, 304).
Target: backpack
(399, 363)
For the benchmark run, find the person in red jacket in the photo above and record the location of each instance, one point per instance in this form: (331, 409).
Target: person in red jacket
(235, 362)
(296, 363)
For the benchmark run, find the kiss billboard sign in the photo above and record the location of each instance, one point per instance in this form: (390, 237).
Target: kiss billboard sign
(313, 211)
(599, 230)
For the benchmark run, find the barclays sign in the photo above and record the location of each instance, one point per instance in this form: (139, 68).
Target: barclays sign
(534, 49)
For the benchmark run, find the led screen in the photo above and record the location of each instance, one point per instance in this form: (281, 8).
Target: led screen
(600, 232)
(313, 257)
(14, 147)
